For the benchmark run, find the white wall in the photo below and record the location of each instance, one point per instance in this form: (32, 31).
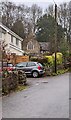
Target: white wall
(12, 50)
(7, 38)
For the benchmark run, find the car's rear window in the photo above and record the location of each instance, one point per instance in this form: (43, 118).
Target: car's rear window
(40, 64)
(29, 64)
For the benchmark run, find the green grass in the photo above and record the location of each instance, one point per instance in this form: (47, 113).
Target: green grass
(20, 88)
(60, 72)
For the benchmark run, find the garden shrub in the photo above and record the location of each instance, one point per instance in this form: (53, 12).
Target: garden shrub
(46, 54)
(41, 60)
(21, 77)
(11, 80)
(49, 60)
(34, 59)
(59, 57)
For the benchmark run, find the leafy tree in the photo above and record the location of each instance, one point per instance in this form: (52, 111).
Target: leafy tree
(46, 31)
(60, 36)
(44, 28)
(64, 48)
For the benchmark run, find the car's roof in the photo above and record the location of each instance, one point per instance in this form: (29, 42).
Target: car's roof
(28, 62)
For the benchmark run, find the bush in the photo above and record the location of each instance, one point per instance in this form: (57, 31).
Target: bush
(46, 54)
(41, 60)
(49, 60)
(34, 59)
(59, 57)
(21, 77)
(11, 80)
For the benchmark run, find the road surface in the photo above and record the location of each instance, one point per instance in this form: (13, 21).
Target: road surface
(47, 97)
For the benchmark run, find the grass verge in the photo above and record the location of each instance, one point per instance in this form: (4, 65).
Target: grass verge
(60, 72)
(21, 87)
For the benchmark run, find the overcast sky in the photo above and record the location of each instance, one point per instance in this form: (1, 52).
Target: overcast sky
(42, 3)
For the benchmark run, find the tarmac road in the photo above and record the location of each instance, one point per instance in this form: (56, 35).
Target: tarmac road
(47, 97)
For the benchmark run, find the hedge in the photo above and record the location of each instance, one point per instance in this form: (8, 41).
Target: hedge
(11, 80)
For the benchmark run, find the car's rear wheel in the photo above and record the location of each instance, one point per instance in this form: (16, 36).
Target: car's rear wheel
(35, 74)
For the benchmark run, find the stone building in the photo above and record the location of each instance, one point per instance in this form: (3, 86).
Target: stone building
(44, 47)
(31, 45)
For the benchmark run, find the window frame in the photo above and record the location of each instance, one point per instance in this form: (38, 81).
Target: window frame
(30, 45)
(17, 41)
(29, 64)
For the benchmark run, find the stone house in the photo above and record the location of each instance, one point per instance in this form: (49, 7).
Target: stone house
(44, 47)
(31, 45)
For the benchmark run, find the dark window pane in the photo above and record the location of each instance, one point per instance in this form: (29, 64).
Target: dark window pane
(11, 38)
(31, 64)
(21, 65)
(17, 42)
(30, 45)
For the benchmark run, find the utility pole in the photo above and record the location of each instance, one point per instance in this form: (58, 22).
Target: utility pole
(70, 29)
(55, 37)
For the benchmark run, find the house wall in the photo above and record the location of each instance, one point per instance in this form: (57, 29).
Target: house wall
(14, 42)
(31, 45)
(16, 49)
(36, 47)
(12, 50)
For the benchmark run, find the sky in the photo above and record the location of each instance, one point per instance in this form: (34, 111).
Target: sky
(42, 3)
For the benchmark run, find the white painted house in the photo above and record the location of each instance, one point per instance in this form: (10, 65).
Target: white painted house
(13, 41)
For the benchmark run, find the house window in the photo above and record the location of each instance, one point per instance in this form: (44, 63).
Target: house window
(11, 38)
(0, 34)
(17, 42)
(30, 46)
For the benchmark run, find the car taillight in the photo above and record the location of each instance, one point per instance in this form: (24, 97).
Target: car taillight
(10, 69)
(39, 67)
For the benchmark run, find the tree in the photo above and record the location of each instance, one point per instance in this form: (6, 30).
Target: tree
(63, 17)
(50, 10)
(36, 12)
(44, 28)
(46, 31)
(18, 28)
(69, 28)
(60, 36)
(8, 10)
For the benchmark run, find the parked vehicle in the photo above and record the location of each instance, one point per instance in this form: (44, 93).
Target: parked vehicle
(31, 68)
(10, 67)
(6, 66)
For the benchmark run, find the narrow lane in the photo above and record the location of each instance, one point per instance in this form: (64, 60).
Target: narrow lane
(48, 99)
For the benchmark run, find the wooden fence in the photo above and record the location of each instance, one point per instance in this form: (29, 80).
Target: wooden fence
(22, 59)
(14, 59)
